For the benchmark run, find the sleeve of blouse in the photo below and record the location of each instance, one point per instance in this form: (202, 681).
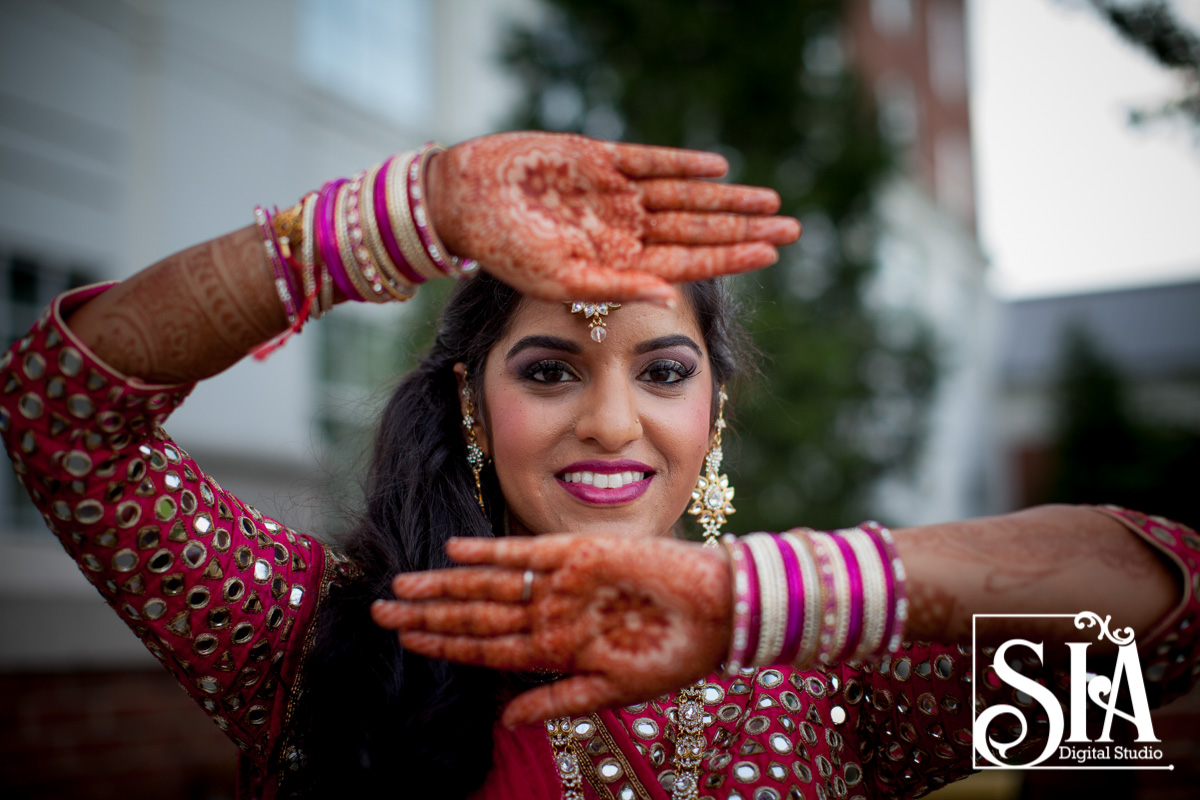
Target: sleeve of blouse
(915, 721)
(220, 594)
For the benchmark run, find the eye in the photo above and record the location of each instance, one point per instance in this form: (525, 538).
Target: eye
(667, 371)
(549, 371)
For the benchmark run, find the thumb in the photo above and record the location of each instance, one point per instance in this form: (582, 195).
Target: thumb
(577, 694)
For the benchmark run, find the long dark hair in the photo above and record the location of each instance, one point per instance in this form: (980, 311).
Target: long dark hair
(374, 720)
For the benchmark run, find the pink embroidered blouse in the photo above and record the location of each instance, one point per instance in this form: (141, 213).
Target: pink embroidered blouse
(226, 598)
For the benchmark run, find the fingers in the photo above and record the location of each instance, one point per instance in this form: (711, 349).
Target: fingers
(679, 263)
(472, 618)
(540, 553)
(673, 194)
(593, 280)
(645, 161)
(511, 652)
(575, 695)
(501, 585)
(685, 228)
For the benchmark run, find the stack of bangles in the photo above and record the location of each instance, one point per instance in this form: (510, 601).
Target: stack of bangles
(371, 236)
(810, 598)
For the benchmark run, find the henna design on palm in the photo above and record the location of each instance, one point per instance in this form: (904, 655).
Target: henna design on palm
(623, 619)
(560, 216)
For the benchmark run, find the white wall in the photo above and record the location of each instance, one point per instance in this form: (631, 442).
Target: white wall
(131, 129)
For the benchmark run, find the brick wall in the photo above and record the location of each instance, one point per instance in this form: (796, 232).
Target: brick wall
(104, 735)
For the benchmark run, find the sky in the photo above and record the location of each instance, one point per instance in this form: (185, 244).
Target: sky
(1071, 197)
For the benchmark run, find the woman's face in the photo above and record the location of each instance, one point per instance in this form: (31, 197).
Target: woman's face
(597, 437)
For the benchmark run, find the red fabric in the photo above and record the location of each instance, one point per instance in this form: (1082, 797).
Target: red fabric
(225, 598)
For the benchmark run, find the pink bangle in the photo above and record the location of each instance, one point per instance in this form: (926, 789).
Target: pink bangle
(795, 586)
(855, 581)
(383, 221)
(813, 601)
(327, 245)
(895, 578)
(447, 263)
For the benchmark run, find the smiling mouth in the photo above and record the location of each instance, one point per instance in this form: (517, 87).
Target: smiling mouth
(603, 480)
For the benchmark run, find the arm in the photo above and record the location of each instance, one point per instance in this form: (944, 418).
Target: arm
(555, 216)
(1049, 559)
(1052, 559)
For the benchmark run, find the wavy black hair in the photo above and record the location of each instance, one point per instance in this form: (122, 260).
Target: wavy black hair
(374, 720)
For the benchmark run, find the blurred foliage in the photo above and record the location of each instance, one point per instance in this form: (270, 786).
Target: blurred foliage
(1152, 26)
(1103, 453)
(767, 85)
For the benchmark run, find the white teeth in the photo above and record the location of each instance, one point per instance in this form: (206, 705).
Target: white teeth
(604, 480)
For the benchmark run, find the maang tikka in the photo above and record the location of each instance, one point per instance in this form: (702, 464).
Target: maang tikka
(594, 313)
(474, 454)
(712, 498)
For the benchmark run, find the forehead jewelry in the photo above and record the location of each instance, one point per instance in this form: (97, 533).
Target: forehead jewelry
(594, 313)
(712, 499)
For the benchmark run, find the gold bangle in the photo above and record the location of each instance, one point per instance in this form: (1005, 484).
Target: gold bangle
(393, 281)
(401, 217)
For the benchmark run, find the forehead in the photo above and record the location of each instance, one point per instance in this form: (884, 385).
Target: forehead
(627, 326)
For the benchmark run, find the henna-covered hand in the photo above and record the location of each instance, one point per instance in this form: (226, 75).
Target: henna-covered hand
(560, 216)
(624, 619)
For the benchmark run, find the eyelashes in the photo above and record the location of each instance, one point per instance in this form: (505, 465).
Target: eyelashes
(660, 371)
(548, 371)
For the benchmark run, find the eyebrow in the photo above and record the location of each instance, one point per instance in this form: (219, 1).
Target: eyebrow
(663, 342)
(548, 342)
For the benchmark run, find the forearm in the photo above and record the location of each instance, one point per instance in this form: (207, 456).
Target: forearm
(189, 316)
(1045, 560)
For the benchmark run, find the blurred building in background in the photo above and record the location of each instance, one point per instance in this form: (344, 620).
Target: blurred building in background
(132, 129)
(912, 57)
(1120, 368)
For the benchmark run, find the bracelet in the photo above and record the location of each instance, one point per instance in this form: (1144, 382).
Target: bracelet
(437, 252)
(326, 239)
(400, 216)
(284, 286)
(813, 599)
(382, 221)
(895, 577)
(346, 219)
(744, 596)
(796, 595)
(810, 597)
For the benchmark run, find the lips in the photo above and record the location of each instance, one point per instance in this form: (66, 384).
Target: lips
(606, 482)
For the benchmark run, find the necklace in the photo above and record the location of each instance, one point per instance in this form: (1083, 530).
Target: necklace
(690, 744)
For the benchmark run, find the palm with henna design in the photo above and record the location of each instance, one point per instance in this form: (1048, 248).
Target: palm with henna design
(625, 620)
(560, 216)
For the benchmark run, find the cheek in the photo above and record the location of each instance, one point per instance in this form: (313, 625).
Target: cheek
(519, 434)
(686, 432)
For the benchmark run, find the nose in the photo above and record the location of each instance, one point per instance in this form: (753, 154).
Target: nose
(608, 415)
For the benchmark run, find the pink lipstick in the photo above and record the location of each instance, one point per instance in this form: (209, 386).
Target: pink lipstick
(599, 482)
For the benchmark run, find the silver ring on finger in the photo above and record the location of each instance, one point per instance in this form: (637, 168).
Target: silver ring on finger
(527, 586)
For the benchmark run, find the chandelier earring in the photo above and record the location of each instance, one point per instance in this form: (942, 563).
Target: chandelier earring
(474, 455)
(712, 499)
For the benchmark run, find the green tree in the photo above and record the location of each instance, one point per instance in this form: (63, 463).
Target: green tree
(1152, 27)
(1104, 453)
(766, 84)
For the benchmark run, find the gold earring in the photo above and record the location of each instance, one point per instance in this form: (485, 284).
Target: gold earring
(474, 454)
(712, 498)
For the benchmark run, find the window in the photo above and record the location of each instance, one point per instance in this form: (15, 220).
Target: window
(892, 17)
(947, 50)
(375, 53)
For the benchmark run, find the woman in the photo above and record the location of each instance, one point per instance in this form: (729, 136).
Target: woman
(591, 436)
